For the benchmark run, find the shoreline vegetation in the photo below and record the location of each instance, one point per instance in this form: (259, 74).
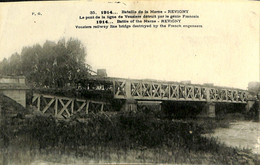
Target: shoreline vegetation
(122, 137)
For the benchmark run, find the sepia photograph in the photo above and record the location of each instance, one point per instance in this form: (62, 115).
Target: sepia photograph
(130, 82)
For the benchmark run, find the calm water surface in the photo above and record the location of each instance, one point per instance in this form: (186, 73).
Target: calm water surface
(240, 134)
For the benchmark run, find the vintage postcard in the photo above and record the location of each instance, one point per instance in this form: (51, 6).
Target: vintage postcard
(130, 82)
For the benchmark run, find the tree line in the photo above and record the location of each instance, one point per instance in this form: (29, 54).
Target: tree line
(50, 65)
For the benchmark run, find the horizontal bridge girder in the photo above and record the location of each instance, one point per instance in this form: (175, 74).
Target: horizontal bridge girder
(149, 90)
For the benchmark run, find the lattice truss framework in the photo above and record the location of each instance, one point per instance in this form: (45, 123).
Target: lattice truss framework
(170, 91)
(66, 107)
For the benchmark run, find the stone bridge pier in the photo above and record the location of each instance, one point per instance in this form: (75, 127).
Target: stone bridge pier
(253, 105)
(208, 111)
(14, 87)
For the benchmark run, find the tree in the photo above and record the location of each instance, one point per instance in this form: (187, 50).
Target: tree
(50, 65)
(4, 67)
(15, 64)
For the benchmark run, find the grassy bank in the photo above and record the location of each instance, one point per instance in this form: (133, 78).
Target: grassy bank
(111, 154)
(122, 137)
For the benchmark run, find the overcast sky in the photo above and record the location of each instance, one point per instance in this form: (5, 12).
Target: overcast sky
(224, 52)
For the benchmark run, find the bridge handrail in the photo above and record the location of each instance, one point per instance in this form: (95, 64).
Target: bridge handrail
(111, 79)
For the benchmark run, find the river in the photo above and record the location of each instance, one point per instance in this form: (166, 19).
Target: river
(241, 134)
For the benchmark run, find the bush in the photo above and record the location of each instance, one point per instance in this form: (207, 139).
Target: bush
(127, 129)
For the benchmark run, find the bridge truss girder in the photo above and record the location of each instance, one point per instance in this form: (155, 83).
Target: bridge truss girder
(65, 106)
(153, 90)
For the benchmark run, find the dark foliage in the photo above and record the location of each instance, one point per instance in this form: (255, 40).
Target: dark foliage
(50, 65)
(127, 130)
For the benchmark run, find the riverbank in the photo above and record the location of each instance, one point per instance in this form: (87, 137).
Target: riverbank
(121, 138)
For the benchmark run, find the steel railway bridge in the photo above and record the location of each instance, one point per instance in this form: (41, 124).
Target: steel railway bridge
(135, 91)
(160, 90)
